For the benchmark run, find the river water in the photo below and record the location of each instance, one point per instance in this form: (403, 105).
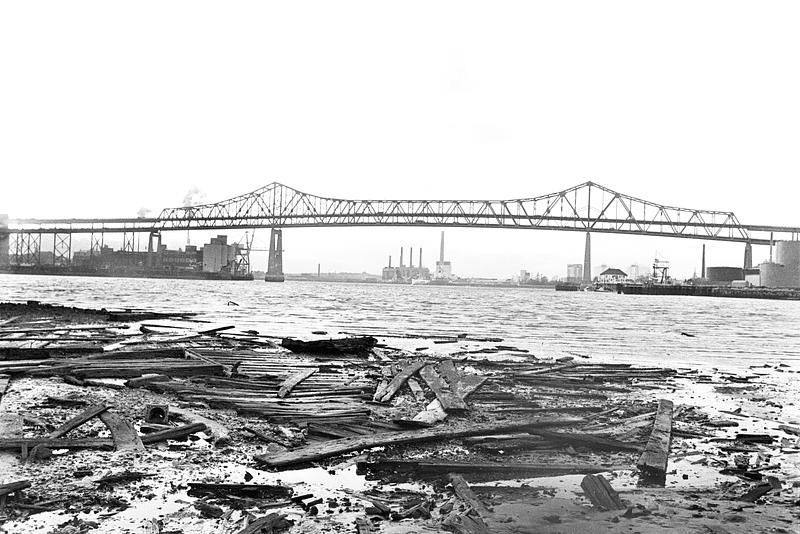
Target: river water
(626, 328)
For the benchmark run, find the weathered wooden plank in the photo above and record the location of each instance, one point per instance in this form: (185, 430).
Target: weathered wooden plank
(588, 440)
(269, 523)
(434, 412)
(386, 393)
(653, 461)
(177, 433)
(445, 392)
(61, 443)
(78, 420)
(12, 487)
(289, 384)
(341, 446)
(219, 432)
(442, 470)
(463, 491)
(125, 436)
(600, 493)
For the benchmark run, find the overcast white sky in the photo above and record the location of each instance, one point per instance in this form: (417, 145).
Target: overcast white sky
(107, 108)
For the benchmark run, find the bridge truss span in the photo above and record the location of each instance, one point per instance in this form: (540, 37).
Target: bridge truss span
(586, 207)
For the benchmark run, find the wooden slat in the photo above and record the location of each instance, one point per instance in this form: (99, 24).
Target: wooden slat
(386, 393)
(600, 493)
(288, 385)
(463, 491)
(125, 436)
(653, 461)
(357, 443)
(78, 420)
(445, 392)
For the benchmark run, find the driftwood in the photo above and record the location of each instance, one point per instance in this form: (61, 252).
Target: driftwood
(78, 420)
(219, 432)
(600, 493)
(270, 523)
(252, 491)
(435, 412)
(385, 393)
(445, 392)
(588, 440)
(653, 461)
(60, 443)
(341, 446)
(288, 385)
(463, 491)
(349, 345)
(125, 436)
(13, 487)
(177, 433)
(443, 470)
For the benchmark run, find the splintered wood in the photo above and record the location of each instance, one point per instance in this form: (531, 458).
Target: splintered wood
(653, 461)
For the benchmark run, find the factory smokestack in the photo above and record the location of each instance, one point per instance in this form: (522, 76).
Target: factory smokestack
(411, 256)
(390, 261)
(420, 258)
(401, 257)
(703, 265)
(441, 249)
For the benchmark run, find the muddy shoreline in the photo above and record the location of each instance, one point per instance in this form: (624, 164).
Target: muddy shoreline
(555, 421)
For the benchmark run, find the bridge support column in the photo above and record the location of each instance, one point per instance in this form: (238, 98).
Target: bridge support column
(275, 261)
(4, 240)
(587, 259)
(748, 256)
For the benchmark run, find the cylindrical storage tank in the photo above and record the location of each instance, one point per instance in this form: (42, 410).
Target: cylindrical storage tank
(775, 275)
(788, 253)
(724, 274)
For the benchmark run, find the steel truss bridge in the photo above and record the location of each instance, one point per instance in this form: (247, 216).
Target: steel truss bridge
(587, 207)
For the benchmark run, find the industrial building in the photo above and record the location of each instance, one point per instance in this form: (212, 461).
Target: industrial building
(444, 269)
(612, 276)
(574, 272)
(785, 270)
(406, 273)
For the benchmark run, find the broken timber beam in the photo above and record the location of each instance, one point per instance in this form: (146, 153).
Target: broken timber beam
(12, 487)
(177, 433)
(60, 443)
(435, 412)
(336, 447)
(385, 394)
(445, 391)
(125, 436)
(78, 420)
(288, 385)
(653, 461)
(463, 491)
(600, 493)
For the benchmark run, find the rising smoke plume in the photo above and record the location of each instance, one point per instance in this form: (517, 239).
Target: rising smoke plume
(142, 213)
(193, 197)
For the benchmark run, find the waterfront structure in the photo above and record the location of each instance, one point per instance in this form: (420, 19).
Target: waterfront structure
(218, 255)
(405, 273)
(444, 269)
(574, 272)
(785, 270)
(587, 207)
(612, 276)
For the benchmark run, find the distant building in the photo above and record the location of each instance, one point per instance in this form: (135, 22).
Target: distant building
(612, 276)
(574, 272)
(218, 255)
(599, 270)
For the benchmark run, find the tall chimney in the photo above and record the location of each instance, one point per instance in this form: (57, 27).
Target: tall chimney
(390, 261)
(411, 256)
(441, 249)
(420, 258)
(703, 265)
(401, 257)
(319, 269)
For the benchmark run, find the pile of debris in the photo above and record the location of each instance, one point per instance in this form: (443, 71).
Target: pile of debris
(88, 383)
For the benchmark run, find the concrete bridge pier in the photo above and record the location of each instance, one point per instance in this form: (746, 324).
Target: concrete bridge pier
(4, 240)
(587, 259)
(275, 260)
(748, 256)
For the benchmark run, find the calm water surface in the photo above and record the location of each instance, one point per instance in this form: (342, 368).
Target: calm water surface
(735, 332)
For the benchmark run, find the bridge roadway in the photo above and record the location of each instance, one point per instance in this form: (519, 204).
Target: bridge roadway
(587, 207)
